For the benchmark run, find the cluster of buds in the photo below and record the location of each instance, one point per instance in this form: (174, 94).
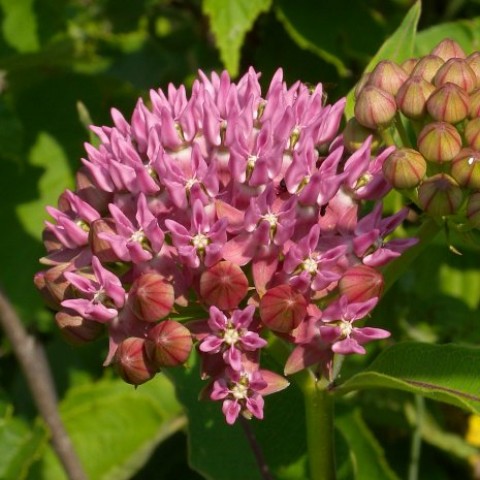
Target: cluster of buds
(435, 102)
(219, 220)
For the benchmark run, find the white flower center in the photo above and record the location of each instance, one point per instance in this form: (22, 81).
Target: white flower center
(190, 183)
(231, 336)
(272, 219)
(138, 236)
(99, 296)
(239, 391)
(346, 328)
(251, 160)
(200, 241)
(310, 265)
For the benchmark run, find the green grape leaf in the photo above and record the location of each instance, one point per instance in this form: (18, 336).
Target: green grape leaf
(230, 20)
(446, 373)
(398, 47)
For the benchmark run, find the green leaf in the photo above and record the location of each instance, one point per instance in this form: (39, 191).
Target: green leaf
(222, 452)
(398, 47)
(49, 155)
(19, 446)
(230, 20)
(367, 455)
(20, 25)
(115, 427)
(446, 373)
(465, 32)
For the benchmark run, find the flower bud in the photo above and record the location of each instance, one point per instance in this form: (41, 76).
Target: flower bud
(472, 133)
(151, 297)
(374, 107)
(223, 285)
(40, 284)
(474, 111)
(88, 191)
(132, 362)
(439, 142)
(427, 67)
(473, 209)
(404, 168)
(76, 329)
(413, 95)
(282, 308)
(458, 72)
(169, 344)
(388, 76)
(101, 248)
(360, 84)
(447, 49)
(409, 64)
(50, 241)
(473, 61)
(58, 286)
(466, 168)
(449, 103)
(440, 195)
(361, 283)
(354, 135)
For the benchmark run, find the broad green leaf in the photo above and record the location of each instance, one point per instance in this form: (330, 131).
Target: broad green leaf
(398, 47)
(222, 452)
(446, 373)
(115, 427)
(49, 155)
(20, 25)
(230, 20)
(20, 445)
(461, 284)
(367, 456)
(465, 32)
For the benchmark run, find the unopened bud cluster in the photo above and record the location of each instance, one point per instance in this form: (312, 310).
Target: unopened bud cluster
(435, 100)
(216, 221)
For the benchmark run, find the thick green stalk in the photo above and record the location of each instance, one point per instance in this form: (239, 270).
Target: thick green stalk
(320, 428)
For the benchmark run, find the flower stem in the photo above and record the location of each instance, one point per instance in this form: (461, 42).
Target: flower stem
(416, 439)
(425, 235)
(320, 427)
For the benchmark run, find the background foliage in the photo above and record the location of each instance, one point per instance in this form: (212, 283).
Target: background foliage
(63, 62)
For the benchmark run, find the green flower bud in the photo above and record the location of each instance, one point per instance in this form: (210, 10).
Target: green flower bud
(457, 71)
(409, 64)
(413, 95)
(440, 195)
(466, 168)
(405, 168)
(439, 142)
(473, 61)
(449, 103)
(474, 111)
(374, 107)
(447, 49)
(360, 84)
(427, 67)
(473, 209)
(472, 133)
(388, 76)
(355, 134)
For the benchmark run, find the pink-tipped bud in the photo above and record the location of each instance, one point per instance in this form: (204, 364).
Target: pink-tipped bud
(354, 135)
(388, 76)
(466, 168)
(169, 344)
(151, 297)
(405, 168)
(474, 111)
(473, 61)
(472, 133)
(101, 248)
(132, 362)
(361, 283)
(374, 107)
(282, 308)
(439, 142)
(427, 67)
(76, 329)
(457, 71)
(440, 195)
(473, 209)
(447, 49)
(58, 286)
(223, 285)
(409, 64)
(449, 103)
(413, 95)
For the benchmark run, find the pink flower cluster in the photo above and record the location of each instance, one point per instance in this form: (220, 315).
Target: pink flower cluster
(238, 211)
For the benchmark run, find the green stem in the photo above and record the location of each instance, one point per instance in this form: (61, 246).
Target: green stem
(425, 235)
(402, 133)
(320, 428)
(416, 439)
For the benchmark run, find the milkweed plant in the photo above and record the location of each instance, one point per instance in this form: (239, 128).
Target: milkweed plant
(251, 233)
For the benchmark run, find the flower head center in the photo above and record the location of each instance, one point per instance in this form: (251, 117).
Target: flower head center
(271, 218)
(239, 391)
(200, 241)
(310, 265)
(138, 236)
(231, 336)
(346, 328)
(251, 160)
(190, 183)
